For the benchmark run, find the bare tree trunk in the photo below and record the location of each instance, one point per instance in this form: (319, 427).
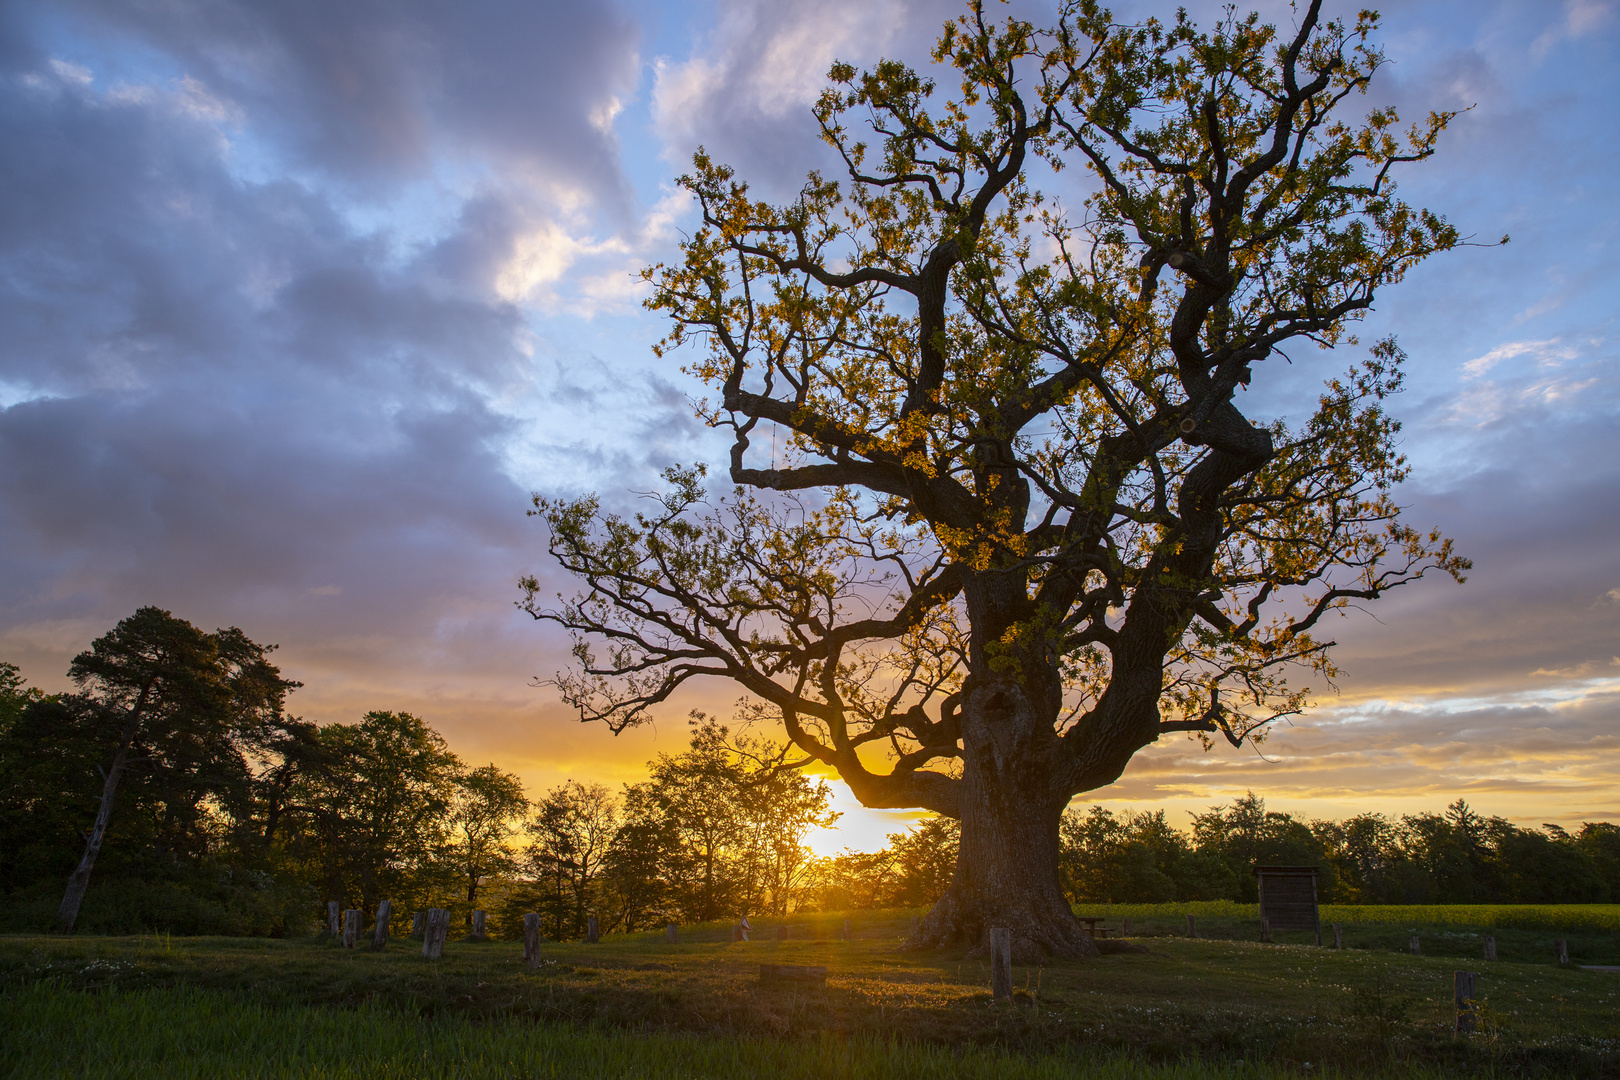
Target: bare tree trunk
(1007, 865)
(68, 913)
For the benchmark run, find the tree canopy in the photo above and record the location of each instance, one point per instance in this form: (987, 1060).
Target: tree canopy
(1021, 525)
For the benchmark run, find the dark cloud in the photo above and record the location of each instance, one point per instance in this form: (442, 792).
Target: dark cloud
(231, 391)
(376, 89)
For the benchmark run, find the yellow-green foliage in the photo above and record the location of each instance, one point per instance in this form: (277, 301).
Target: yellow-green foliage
(1596, 917)
(1600, 918)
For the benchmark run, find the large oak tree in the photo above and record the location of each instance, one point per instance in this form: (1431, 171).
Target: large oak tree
(1020, 526)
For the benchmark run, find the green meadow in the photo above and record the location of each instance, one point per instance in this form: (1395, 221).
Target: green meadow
(1156, 1005)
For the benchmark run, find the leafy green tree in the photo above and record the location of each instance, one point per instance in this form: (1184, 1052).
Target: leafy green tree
(913, 870)
(1022, 526)
(1370, 865)
(924, 861)
(776, 808)
(189, 707)
(635, 881)
(1601, 841)
(693, 795)
(15, 696)
(855, 880)
(1246, 834)
(718, 830)
(1534, 867)
(1453, 853)
(484, 813)
(50, 755)
(374, 816)
(1138, 858)
(571, 837)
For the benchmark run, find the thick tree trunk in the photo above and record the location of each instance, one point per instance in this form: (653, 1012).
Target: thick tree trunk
(1007, 866)
(68, 913)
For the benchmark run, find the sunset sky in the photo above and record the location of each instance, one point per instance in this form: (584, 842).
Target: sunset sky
(300, 300)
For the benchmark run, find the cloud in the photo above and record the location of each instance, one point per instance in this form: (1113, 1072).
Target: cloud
(1582, 18)
(260, 365)
(746, 92)
(1549, 353)
(377, 90)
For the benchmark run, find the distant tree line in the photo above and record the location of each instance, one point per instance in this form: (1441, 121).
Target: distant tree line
(171, 790)
(1458, 857)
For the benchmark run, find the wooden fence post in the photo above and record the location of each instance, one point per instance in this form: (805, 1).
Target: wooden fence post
(436, 929)
(379, 933)
(351, 927)
(332, 916)
(593, 932)
(1192, 926)
(1124, 928)
(531, 939)
(1414, 946)
(479, 919)
(844, 936)
(736, 932)
(1490, 947)
(1338, 936)
(1464, 993)
(418, 924)
(781, 933)
(1265, 928)
(1563, 952)
(1000, 963)
(672, 933)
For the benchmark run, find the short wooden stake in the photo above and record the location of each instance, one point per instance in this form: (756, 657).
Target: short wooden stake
(672, 933)
(781, 933)
(531, 939)
(333, 914)
(379, 933)
(1338, 936)
(1265, 928)
(479, 919)
(736, 932)
(351, 927)
(434, 930)
(1124, 928)
(1416, 949)
(1490, 947)
(418, 923)
(1001, 984)
(1464, 993)
(1563, 952)
(593, 933)
(844, 935)
(1192, 927)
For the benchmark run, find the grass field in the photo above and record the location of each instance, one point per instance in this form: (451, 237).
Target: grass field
(181, 1034)
(634, 1005)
